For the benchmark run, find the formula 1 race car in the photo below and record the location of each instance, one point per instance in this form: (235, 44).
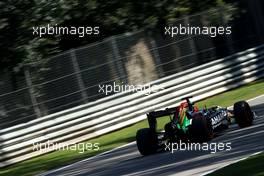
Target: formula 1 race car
(190, 124)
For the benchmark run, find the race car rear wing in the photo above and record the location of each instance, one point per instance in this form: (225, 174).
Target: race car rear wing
(152, 116)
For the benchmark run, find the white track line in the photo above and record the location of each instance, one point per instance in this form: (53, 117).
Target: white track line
(256, 97)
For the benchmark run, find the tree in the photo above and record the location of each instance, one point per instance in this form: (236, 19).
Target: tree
(114, 17)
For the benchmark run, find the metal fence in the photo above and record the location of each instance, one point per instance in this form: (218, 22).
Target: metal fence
(73, 77)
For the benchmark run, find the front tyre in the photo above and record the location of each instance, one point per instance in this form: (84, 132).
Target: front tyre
(147, 141)
(243, 114)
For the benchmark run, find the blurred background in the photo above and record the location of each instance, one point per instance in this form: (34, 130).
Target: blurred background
(41, 76)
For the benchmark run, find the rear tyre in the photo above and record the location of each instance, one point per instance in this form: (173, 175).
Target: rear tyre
(243, 114)
(147, 141)
(201, 129)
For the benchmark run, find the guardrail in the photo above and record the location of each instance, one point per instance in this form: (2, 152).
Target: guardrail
(126, 108)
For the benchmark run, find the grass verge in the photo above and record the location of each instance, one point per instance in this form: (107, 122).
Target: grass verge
(112, 140)
(253, 166)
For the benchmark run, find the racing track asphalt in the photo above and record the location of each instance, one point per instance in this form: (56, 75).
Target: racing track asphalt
(127, 160)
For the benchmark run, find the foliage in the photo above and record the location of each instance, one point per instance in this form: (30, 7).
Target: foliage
(114, 17)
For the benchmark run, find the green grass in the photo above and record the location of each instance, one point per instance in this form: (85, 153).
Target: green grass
(253, 166)
(109, 141)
